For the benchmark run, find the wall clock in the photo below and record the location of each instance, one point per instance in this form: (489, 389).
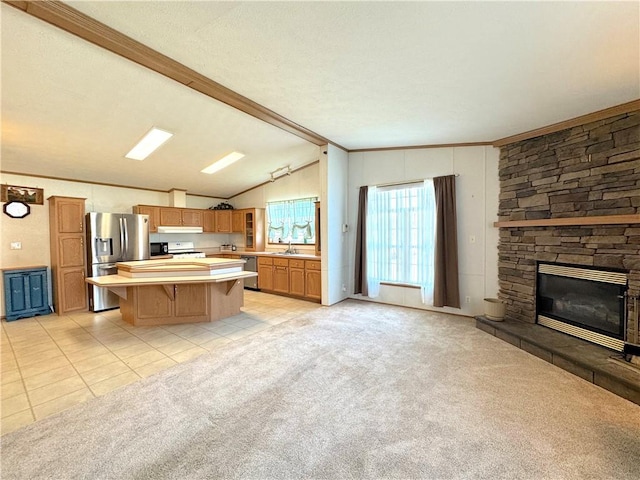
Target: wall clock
(16, 209)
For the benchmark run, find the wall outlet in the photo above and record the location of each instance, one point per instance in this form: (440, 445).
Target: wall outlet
(16, 245)
(467, 299)
(344, 287)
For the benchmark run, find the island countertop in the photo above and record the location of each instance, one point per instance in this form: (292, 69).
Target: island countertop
(174, 270)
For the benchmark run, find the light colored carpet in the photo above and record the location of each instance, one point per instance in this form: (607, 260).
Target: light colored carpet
(358, 390)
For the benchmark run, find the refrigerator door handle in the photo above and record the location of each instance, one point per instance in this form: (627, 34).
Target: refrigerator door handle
(122, 249)
(126, 236)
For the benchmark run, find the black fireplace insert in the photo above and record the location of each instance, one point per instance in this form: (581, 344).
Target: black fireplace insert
(585, 297)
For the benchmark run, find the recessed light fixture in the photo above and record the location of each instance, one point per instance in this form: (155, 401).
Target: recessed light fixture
(223, 162)
(149, 143)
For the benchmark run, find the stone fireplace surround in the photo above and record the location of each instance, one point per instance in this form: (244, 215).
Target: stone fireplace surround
(590, 170)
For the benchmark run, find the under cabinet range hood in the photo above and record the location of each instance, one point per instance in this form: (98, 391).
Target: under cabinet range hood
(172, 229)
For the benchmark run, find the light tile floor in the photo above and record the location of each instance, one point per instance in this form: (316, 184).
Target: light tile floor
(51, 362)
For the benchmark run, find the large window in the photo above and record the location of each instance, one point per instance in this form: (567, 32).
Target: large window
(292, 221)
(401, 237)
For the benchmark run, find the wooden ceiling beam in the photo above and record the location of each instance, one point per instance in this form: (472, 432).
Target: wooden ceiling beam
(77, 23)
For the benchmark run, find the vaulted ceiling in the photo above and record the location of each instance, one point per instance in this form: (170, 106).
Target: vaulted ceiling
(360, 74)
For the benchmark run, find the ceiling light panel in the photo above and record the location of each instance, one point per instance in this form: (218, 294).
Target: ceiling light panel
(223, 162)
(149, 143)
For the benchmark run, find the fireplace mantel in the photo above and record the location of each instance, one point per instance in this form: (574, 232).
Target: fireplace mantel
(570, 221)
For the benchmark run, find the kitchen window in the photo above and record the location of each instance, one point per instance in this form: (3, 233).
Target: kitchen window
(292, 221)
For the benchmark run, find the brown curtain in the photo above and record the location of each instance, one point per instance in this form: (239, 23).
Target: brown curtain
(360, 283)
(446, 292)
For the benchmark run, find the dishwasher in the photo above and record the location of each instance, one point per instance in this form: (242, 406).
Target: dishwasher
(250, 266)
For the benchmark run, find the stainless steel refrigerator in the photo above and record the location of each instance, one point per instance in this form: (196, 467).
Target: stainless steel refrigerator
(111, 238)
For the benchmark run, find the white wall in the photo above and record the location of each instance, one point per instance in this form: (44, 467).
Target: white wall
(334, 171)
(477, 206)
(33, 230)
(300, 184)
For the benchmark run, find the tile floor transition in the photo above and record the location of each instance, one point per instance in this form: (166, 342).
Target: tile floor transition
(51, 362)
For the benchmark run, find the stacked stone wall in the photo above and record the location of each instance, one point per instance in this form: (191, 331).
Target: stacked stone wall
(589, 170)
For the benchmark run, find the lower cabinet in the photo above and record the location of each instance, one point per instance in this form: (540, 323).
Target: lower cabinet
(294, 277)
(170, 303)
(265, 273)
(280, 275)
(26, 292)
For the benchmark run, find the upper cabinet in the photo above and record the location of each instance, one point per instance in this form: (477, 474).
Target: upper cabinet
(237, 221)
(209, 221)
(170, 217)
(253, 229)
(154, 215)
(223, 221)
(192, 217)
(69, 214)
(250, 222)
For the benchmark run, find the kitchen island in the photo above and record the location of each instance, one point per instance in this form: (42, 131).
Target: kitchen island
(172, 291)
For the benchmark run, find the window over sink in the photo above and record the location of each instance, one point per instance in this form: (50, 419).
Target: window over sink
(292, 221)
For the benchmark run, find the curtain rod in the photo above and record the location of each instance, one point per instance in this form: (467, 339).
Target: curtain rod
(408, 182)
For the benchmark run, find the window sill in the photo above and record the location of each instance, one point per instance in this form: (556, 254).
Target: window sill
(398, 284)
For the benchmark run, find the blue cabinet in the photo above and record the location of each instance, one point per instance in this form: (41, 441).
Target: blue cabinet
(26, 292)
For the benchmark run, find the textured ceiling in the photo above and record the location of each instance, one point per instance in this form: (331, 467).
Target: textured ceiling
(363, 74)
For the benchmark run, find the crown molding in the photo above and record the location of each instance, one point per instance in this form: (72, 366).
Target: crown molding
(574, 122)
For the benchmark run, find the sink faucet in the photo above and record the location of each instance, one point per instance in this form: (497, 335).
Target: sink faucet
(290, 250)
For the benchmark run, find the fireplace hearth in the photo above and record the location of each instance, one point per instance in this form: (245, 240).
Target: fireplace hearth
(586, 302)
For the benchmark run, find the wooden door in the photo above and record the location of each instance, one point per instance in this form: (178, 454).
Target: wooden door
(191, 300)
(237, 221)
(71, 251)
(192, 218)
(296, 281)
(70, 215)
(151, 301)
(265, 273)
(281, 275)
(209, 221)
(154, 216)
(170, 217)
(73, 290)
(313, 284)
(248, 219)
(223, 221)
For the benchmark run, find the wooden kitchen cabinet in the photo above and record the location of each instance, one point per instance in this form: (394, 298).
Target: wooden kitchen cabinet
(209, 221)
(174, 304)
(313, 279)
(181, 217)
(280, 275)
(253, 229)
(192, 217)
(68, 255)
(223, 221)
(265, 273)
(170, 217)
(154, 215)
(296, 277)
(237, 221)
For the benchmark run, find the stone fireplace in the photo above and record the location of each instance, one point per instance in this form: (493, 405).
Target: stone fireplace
(572, 198)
